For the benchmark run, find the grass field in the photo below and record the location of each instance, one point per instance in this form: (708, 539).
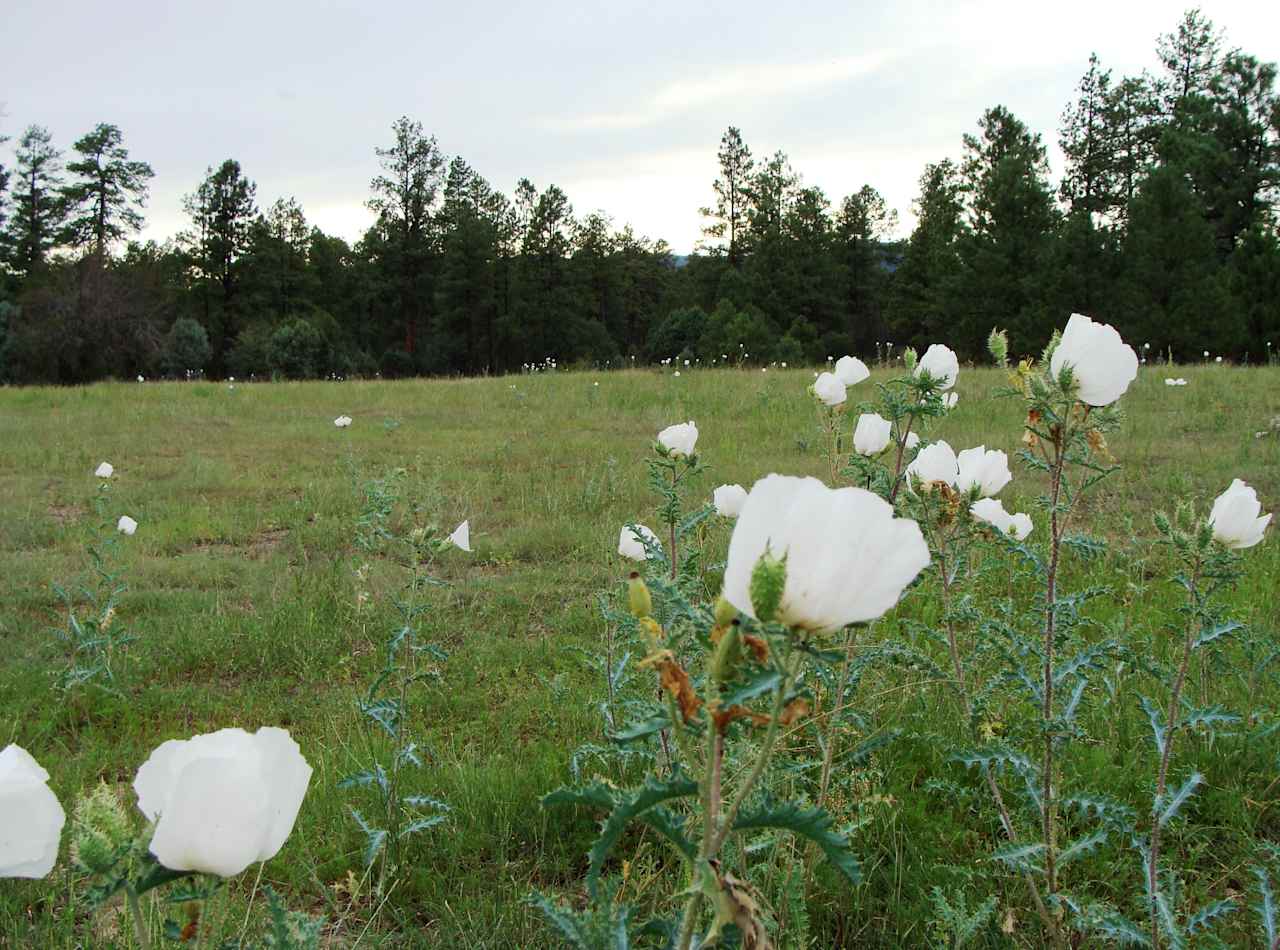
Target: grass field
(245, 602)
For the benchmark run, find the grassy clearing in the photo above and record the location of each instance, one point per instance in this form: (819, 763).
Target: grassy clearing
(245, 602)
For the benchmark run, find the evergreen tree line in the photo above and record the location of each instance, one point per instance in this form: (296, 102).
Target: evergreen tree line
(1163, 224)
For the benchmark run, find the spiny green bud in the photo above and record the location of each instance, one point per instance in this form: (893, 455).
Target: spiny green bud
(998, 346)
(768, 579)
(909, 359)
(1054, 340)
(726, 613)
(638, 596)
(728, 654)
(100, 831)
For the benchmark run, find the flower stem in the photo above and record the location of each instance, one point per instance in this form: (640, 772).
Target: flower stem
(1162, 775)
(1049, 806)
(139, 924)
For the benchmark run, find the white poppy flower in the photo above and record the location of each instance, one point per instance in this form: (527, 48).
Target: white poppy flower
(342, 421)
(461, 537)
(987, 470)
(871, 435)
(729, 499)
(140, 379)
(1235, 517)
(850, 370)
(105, 470)
(126, 525)
(630, 544)
(829, 389)
(222, 800)
(848, 558)
(679, 439)
(1102, 364)
(31, 818)
(991, 511)
(941, 363)
(936, 462)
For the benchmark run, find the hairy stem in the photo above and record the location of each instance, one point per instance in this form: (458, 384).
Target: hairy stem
(675, 516)
(1171, 721)
(1049, 806)
(962, 687)
(897, 462)
(139, 924)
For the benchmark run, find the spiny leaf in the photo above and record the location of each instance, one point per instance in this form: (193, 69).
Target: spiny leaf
(597, 794)
(628, 806)
(426, 801)
(1213, 633)
(756, 686)
(994, 757)
(1203, 918)
(1156, 719)
(565, 922)
(812, 823)
(1178, 798)
(1082, 846)
(1265, 907)
(638, 730)
(1209, 716)
(375, 838)
(1020, 855)
(422, 824)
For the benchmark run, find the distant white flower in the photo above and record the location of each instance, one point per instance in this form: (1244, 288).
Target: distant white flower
(31, 818)
(105, 470)
(126, 525)
(848, 558)
(140, 379)
(1102, 364)
(941, 363)
(913, 439)
(991, 511)
(1206, 354)
(949, 400)
(987, 470)
(679, 439)
(1217, 359)
(936, 462)
(342, 421)
(871, 434)
(630, 544)
(1235, 517)
(1169, 381)
(461, 537)
(231, 379)
(729, 499)
(784, 365)
(677, 373)
(222, 800)
(1180, 381)
(686, 362)
(850, 370)
(829, 389)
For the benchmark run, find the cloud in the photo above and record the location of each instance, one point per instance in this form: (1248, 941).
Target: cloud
(755, 83)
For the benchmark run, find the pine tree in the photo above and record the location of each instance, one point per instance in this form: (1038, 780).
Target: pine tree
(405, 200)
(733, 197)
(38, 209)
(104, 204)
(924, 283)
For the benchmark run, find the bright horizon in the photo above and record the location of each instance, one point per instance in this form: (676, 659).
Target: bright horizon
(853, 96)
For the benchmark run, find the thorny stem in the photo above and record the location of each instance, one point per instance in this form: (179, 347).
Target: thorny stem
(897, 462)
(716, 829)
(674, 518)
(1056, 525)
(1006, 820)
(139, 924)
(1170, 727)
(833, 718)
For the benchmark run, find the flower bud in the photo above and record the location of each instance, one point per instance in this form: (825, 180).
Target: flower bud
(728, 654)
(768, 580)
(638, 596)
(100, 831)
(726, 613)
(909, 359)
(998, 347)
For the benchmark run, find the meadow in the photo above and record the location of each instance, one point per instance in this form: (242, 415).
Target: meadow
(252, 605)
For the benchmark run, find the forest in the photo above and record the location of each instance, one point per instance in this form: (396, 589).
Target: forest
(1162, 222)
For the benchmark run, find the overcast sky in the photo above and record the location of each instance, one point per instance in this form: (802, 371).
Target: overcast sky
(622, 104)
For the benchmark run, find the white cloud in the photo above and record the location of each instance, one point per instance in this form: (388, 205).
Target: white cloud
(754, 83)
